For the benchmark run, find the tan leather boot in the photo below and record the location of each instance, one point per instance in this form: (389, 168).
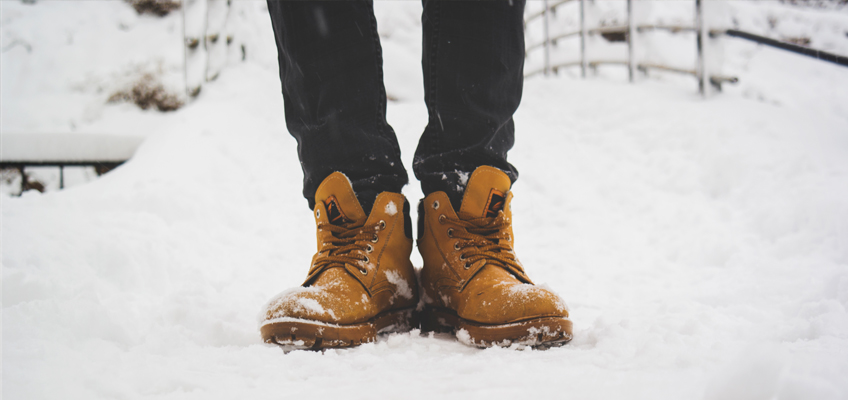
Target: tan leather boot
(361, 282)
(472, 282)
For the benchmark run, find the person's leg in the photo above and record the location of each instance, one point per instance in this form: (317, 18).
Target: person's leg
(360, 280)
(335, 102)
(472, 281)
(473, 61)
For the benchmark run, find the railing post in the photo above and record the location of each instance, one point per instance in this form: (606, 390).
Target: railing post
(23, 179)
(185, 49)
(631, 35)
(584, 63)
(61, 176)
(702, 38)
(547, 40)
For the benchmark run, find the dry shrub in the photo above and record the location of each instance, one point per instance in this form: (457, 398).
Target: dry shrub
(33, 184)
(148, 92)
(159, 8)
(10, 174)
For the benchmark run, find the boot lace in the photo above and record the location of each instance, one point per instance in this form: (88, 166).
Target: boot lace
(346, 246)
(483, 239)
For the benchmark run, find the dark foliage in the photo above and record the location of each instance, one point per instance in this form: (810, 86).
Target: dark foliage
(147, 93)
(159, 8)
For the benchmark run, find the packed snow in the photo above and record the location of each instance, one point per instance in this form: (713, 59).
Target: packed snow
(701, 244)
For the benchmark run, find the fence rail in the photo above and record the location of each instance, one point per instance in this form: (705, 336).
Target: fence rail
(625, 33)
(628, 33)
(818, 54)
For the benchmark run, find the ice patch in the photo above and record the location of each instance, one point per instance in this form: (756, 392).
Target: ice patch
(402, 287)
(391, 209)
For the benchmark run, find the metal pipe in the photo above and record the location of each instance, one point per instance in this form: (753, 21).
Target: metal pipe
(185, 47)
(671, 28)
(702, 36)
(547, 40)
(23, 178)
(818, 54)
(584, 65)
(540, 13)
(631, 35)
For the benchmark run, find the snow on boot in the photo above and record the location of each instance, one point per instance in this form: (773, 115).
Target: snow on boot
(472, 281)
(361, 281)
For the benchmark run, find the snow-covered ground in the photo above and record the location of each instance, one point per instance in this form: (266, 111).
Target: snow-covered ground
(702, 245)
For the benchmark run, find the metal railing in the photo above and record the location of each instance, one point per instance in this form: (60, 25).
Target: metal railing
(817, 54)
(206, 40)
(103, 152)
(629, 32)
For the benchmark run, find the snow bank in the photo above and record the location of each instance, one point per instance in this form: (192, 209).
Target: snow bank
(64, 147)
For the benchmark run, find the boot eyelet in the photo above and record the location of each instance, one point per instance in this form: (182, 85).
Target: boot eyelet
(467, 266)
(442, 218)
(369, 248)
(436, 205)
(367, 260)
(376, 238)
(462, 257)
(382, 224)
(456, 246)
(317, 213)
(450, 232)
(363, 271)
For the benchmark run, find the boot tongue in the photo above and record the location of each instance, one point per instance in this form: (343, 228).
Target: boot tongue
(338, 197)
(485, 193)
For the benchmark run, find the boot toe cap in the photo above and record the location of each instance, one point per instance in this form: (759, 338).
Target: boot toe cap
(506, 303)
(316, 303)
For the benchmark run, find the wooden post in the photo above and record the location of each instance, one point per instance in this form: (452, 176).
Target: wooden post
(61, 176)
(547, 39)
(702, 39)
(584, 63)
(631, 36)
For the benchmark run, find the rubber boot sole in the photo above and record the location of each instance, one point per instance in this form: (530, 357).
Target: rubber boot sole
(541, 333)
(303, 334)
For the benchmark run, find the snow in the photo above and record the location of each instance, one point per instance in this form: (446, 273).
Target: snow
(62, 147)
(463, 178)
(391, 209)
(464, 337)
(402, 288)
(701, 244)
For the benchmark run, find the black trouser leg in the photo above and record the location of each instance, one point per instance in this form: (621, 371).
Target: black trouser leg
(473, 77)
(335, 102)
